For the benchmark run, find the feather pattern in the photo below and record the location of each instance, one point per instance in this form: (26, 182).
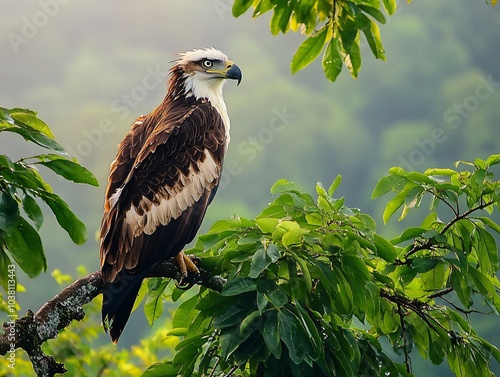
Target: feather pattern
(164, 176)
(179, 162)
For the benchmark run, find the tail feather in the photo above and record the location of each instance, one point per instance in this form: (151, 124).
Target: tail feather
(118, 301)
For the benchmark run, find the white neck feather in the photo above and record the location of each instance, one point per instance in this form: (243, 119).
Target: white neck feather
(211, 89)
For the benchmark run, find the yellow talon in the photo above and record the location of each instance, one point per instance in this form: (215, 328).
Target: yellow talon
(188, 268)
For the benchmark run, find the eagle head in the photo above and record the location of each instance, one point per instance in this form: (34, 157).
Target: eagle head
(206, 70)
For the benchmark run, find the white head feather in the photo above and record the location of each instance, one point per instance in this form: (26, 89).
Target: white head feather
(201, 84)
(199, 54)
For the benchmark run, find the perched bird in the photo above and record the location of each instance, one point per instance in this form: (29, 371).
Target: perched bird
(165, 174)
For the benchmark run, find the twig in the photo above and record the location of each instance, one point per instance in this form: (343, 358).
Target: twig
(429, 243)
(405, 340)
(441, 293)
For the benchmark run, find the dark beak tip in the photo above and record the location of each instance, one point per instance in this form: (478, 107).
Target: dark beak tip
(234, 73)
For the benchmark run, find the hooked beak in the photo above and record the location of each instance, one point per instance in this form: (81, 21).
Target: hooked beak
(233, 72)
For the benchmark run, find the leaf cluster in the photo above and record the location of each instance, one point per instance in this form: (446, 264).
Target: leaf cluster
(22, 187)
(312, 289)
(452, 262)
(334, 26)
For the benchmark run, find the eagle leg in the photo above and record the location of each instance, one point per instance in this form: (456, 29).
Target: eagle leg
(189, 270)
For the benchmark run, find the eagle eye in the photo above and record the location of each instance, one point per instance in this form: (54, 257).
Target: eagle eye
(206, 63)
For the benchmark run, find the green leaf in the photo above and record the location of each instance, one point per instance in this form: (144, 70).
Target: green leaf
(179, 331)
(26, 177)
(309, 50)
(372, 35)
(238, 286)
(490, 223)
(273, 252)
(420, 332)
(279, 9)
(153, 309)
(187, 352)
(34, 137)
(374, 12)
(390, 323)
(247, 321)
(304, 10)
(271, 334)
(162, 369)
(487, 251)
(409, 234)
(399, 171)
(432, 234)
(336, 286)
(306, 276)
(353, 58)
(309, 326)
(7, 163)
(494, 350)
(260, 261)
(389, 6)
(25, 245)
(424, 264)
(284, 20)
(66, 218)
(335, 184)
(5, 271)
(459, 283)
(493, 160)
(284, 186)
(185, 313)
(143, 290)
(385, 249)
(332, 61)
(320, 190)
(266, 224)
(33, 211)
(9, 212)
(262, 7)
(432, 276)
(262, 302)
(482, 283)
(293, 335)
(240, 7)
(393, 206)
(480, 164)
(277, 298)
(28, 118)
(385, 185)
(440, 172)
(232, 315)
(68, 169)
(293, 237)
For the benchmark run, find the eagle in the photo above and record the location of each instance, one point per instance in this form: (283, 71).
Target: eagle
(165, 174)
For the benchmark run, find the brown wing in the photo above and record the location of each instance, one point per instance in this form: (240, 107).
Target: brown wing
(165, 173)
(128, 150)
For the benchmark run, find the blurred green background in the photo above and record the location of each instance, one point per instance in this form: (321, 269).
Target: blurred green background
(89, 68)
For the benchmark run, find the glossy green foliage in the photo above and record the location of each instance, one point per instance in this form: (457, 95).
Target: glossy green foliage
(337, 27)
(334, 27)
(22, 187)
(312, 288)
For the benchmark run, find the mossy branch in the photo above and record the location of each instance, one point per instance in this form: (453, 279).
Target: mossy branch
(34, 329)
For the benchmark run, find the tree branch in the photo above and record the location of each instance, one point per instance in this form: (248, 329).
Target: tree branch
(34, 329)
(429, 243)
